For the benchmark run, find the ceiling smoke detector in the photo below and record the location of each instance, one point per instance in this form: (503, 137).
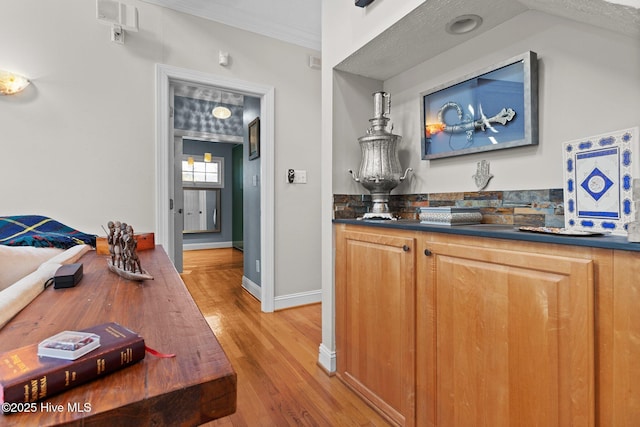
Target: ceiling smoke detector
(463, 24)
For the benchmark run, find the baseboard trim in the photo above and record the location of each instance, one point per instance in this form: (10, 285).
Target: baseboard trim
(298, 299)
(206, 245)
(252, 288)
(284, 301)
(327, 359)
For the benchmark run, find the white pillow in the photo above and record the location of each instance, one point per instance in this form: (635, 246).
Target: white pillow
(19, 261)
(20, 294)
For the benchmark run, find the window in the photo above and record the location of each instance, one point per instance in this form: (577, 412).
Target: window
(199, 173)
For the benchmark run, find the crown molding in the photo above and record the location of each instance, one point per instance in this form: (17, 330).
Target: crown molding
(297, 25)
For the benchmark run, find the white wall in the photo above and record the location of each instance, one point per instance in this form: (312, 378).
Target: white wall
(352, 109)
(588, 84)
(78, 145)
(347, 28)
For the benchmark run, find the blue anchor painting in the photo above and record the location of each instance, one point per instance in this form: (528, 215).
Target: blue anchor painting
(485, 111)
(466, 124)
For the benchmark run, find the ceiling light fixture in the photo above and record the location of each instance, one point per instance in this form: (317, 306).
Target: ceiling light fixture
(221, 112)
(463, 24)
(11, 83)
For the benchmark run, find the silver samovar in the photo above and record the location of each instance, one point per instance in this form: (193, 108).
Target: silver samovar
(380, 170)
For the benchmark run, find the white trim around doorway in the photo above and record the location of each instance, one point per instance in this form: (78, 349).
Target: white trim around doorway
(164, 164)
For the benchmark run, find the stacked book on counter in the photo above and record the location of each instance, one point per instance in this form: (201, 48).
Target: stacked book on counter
(450, 215)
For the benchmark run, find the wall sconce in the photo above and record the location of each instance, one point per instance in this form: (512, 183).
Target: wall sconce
(11, 83)
(221, 112)
(207, 157)
(190, 161)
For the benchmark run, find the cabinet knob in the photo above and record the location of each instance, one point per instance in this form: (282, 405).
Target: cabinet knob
(427, 252)
(406, 248)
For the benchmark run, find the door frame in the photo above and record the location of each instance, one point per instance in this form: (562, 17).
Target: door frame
(165, 74)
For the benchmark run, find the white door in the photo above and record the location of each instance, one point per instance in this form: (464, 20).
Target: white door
(178, 204)
(192, 210)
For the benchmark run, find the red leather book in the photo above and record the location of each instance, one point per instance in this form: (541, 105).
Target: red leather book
(26, 378)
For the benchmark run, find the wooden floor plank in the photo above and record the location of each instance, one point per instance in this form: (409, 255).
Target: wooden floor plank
(274, 354)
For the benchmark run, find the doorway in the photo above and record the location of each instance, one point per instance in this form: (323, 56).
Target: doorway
(202, 195)
(165, 160)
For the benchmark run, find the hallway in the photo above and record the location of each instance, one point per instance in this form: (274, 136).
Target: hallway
(274, 354)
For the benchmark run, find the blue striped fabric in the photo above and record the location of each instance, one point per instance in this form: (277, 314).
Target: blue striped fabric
(40, 231)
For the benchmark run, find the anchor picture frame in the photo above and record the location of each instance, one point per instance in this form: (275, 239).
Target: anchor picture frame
(490, 109)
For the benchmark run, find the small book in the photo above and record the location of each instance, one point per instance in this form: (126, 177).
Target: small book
(68, 345)
(449, 215)
(26, 377)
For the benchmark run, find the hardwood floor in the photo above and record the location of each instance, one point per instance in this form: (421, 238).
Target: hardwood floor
(274, 354)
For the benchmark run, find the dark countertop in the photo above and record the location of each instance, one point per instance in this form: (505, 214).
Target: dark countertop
(502, 232)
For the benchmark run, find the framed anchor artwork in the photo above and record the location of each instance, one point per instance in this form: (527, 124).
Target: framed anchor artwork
(598, 181)
(490, 109)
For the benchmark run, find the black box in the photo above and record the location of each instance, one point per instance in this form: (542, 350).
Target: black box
(67, 276)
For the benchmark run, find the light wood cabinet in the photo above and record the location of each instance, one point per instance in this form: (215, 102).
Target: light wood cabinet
(619, 343)
(505, 338)
(375, 319)
(487, 331)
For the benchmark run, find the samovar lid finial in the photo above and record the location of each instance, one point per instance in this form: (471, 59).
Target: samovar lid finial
(381, 110)
(381, 105)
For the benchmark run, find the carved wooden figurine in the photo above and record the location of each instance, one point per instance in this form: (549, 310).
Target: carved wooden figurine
(123, 250)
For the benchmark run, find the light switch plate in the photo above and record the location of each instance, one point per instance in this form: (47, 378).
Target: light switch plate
(299, 176)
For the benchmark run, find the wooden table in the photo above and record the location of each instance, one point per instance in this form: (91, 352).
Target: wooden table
(196, 386)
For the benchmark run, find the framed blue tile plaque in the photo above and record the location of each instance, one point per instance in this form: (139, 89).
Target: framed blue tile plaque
(598, 176)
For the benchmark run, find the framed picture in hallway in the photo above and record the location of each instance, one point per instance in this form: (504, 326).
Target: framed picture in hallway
(254, 139)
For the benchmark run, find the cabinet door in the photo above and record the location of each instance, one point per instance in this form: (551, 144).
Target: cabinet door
(505, 338)
(620, 344)
(375, 320)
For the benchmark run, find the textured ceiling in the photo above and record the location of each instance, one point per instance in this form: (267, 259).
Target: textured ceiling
(420, 35)
(414, 39)
(622, 16)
